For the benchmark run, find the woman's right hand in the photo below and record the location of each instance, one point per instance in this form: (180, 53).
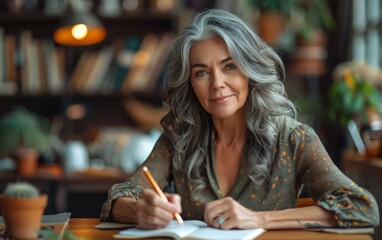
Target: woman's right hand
(152, 212)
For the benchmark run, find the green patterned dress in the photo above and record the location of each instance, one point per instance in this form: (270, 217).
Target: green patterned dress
(300, 160)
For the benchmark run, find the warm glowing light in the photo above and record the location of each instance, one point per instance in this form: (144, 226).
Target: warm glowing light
(165, 5)
(141, 57)
(79, 31)
(76, 111)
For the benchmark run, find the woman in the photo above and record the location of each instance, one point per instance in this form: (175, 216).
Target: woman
(232, 146)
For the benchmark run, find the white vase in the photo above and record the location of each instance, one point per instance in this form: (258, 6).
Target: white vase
(76, 157)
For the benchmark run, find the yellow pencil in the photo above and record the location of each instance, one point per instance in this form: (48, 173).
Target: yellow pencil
(159, 191)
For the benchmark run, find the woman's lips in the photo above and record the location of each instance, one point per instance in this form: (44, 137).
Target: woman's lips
(220, 99)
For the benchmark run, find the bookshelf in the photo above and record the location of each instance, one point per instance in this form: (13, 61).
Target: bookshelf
(31, 33)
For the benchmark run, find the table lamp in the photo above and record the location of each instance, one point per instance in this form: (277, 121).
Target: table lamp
(79, 28)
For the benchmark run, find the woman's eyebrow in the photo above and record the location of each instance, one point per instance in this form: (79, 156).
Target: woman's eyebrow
(198, 65)
(227, 59)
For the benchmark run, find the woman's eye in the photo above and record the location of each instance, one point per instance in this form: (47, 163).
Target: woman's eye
(200, 73)
(230, 66)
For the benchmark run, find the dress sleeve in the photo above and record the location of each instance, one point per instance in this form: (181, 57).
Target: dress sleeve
(352, 205)
(159, 164)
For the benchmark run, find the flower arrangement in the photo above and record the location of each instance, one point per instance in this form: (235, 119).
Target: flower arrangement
(354, 92)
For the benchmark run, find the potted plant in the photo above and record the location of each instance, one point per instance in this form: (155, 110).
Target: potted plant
(354, 93)
(311, 19)
(22, 207)
(311, 16)
(272, 18)
(23, 135)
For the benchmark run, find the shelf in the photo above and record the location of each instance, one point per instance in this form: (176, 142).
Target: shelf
(150, 97)
(51, 93)
(116, 26)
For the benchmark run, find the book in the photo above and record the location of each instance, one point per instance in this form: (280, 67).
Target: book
(98, 72)
(26, 70)
(125, 59)
(10, 58)
(2, 57)
(190, 230)
(114, 225)
(77, 77)
(42, 67)
(146, 79)
(53, 67)
(55, 222)
(140, 63)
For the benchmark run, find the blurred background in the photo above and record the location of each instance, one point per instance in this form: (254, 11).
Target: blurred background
(81, 85)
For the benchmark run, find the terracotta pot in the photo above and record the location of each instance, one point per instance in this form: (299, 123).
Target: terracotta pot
(26, 162)
(270, 26)
(22, 216)
(309, 56)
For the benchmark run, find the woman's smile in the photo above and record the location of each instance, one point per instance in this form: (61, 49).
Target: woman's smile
(222, 99)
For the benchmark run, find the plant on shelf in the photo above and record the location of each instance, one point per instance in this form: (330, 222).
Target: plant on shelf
(23, 135)
(311, 15)
(311, 19)
(281, 6)
(354, 93)
(22, 207)
(272, 17)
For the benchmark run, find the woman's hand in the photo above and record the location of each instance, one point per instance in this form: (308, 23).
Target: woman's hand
(233, 214)
(153, 212)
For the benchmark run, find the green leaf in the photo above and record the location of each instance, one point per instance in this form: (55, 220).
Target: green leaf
(358, 103)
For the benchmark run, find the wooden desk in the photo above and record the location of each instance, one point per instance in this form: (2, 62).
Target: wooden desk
(84, 227)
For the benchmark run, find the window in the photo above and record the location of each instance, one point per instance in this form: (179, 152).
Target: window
(367, 32)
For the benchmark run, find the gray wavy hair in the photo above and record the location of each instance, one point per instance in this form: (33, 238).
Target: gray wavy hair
(189, 126)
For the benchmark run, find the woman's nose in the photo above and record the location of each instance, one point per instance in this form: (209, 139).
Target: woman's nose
(218, 79)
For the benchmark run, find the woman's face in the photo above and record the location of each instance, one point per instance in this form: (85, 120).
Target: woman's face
(220, 87)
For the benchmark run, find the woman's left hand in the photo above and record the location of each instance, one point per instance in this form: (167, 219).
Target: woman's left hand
(232, 214)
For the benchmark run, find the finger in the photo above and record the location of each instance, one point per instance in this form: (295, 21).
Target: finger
(150, 210)
(154, 199)
(224, 222)
(235, 216)
(218, 208)
(176, 200)
(212, 211)
(152, 217)
(157, 211)
(148, 221)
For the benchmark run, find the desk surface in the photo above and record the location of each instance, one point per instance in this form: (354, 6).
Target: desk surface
(84, 227)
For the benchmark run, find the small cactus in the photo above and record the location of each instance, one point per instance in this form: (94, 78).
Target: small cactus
(21, 190)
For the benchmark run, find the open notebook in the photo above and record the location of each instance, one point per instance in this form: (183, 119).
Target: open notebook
(191, 230)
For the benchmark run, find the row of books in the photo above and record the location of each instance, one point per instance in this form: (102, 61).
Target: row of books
(107, 8)
(30, 66)
(133, 64)
(37, 66)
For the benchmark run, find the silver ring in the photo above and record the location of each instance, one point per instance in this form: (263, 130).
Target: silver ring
(220, 220)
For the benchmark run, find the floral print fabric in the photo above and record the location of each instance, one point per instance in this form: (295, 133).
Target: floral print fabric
(300, 161)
